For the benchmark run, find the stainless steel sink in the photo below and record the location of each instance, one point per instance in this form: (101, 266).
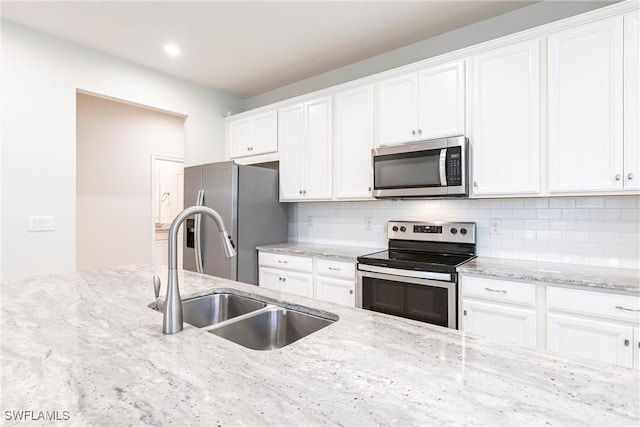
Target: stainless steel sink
(252, 323)
(271, 328)
(215, 308)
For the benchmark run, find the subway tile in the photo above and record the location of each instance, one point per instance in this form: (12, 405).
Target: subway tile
(513, 203)
(630, 214)
(630, 262)
(477, 213)
(501, 213)
(548, 235)
(587, 225)
(604, 237)
(618, 249)
(536, 203)
(606, 214)
(563, 247)
(489, 203)
(575, 236)
(627, 202)
(589, 202)
(604, 261)
(575, 213)
(524, 255)
(629, 238)
(536, 245)
(576, 259)
(549, 257)
(562, 224)
(548, 213)
(622, 226)
(536, 224)
(562, 202)
(590, 248)
(524, 234)
(524, 213)
(512, 224)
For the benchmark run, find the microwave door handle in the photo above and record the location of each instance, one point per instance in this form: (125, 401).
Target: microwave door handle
(443, 169)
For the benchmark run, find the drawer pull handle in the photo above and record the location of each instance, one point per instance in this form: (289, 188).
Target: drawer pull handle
(619, 307)
(350, 291)
(626, 343)
(500, 291)
(334, 269)
(283, 262)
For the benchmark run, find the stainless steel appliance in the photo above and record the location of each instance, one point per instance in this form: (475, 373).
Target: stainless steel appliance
(416, 277)
(246, 197)
(432, 168)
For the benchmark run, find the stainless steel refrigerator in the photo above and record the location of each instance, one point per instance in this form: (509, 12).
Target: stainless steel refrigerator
(247, 199)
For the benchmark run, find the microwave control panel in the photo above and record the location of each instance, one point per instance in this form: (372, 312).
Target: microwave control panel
(454, 166)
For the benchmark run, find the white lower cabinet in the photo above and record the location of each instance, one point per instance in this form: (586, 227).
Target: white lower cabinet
(590, 338)
(499, 309)
(326, 280)
(594, 325)
(501, 322)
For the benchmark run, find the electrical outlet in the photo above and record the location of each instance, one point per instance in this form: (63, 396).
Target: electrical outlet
(367, 223)
(310, 221)
(495, 227)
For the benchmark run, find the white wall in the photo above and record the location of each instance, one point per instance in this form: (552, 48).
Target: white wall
(512, 22)
(601, 231)
(114, 145)
(40, 77)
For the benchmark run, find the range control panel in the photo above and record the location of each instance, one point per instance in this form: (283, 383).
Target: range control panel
(460, 232)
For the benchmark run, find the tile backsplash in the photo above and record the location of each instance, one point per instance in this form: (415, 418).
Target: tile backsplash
(602, 231)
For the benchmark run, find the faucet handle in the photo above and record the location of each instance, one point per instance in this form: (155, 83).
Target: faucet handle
(156, 286)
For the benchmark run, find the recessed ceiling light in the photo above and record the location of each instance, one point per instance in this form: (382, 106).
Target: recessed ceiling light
(172, 50)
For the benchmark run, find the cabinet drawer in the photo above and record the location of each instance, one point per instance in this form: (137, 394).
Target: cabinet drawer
(500, 290)
(593, 303)
(287, 262)
(346, 270)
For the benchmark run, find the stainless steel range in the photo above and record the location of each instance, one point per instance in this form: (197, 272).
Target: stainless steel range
(416, 277)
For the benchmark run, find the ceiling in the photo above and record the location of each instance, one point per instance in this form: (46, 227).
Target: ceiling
(246, 47)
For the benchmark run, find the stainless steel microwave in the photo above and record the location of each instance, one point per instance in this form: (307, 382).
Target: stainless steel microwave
(435, 168)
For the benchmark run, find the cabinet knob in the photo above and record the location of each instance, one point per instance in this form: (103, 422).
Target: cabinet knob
(630, 176)
(619, 307)
(334, 269)
(280, 278)
(350, 291)
(618, 177)
(475, 184)
(500, 291)
(282, 261)
(413, 132)
(419, 131)
(304, 191)
(284, 279)
(300, 191)
(626, 343)
(464, 312)
(369, 188)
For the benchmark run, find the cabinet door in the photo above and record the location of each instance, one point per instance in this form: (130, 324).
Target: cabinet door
(239, 134)
(336, 291)
(590, 338)
(354, 141)
(632, 101)
(585, 107)
(265, 133)
(270, 278)
(500, 322)
(317, 157)
(505, 120)
(298, 283)
(397, 109)
(441, 101)
(636, 334)
(290, 136)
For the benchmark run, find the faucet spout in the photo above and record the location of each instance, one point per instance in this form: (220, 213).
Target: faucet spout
(172, 318)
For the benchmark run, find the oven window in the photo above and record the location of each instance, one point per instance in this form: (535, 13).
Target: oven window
(407, 170)
(418, 302)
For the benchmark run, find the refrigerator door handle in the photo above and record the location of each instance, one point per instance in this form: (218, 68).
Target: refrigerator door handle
(198, 234)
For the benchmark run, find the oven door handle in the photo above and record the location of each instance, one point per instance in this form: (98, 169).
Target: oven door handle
(400, 275)
(443, 167)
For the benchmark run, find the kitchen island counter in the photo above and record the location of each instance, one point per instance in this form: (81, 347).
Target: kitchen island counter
(87, 344)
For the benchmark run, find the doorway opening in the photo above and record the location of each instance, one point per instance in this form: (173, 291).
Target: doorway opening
(167, 176)
(115, 183)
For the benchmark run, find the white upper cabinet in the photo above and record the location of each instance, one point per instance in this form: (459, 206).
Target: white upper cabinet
(585, 108)
(632, 101)
(504, 120)
(422, 105)
(253, 135)
(353, 143)
(305, 134)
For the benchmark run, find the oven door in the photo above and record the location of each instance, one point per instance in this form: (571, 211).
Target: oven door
(425, 300)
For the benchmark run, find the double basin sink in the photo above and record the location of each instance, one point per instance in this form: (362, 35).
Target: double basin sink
(253, 323)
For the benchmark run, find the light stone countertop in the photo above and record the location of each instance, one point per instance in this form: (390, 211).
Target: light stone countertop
(332, 252)
(615, 279)
(86, 343)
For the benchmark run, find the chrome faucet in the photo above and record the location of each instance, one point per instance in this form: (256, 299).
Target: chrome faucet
(172, 319)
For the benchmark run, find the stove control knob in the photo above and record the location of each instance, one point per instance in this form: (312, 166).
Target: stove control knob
(454, 230)
(403, 228)
(395, 228)
(463, 231)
